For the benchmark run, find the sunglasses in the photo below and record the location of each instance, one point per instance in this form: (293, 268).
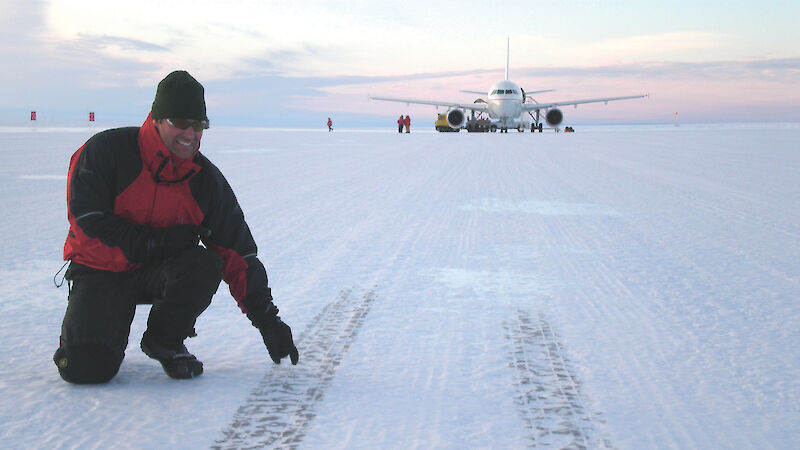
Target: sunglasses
(183, 124)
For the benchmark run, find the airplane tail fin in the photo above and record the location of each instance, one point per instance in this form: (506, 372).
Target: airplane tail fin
(508, 54)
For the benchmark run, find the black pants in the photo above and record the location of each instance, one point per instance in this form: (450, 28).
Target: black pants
(94, 333)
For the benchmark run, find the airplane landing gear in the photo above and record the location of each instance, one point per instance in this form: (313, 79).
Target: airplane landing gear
(536, 125)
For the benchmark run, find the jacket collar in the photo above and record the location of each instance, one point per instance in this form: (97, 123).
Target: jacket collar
(163, 165)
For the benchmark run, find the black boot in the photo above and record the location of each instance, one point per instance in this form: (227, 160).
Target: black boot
(173, 356)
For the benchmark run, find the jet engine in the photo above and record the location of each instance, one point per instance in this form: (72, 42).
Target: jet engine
(456, 118)
(554, 117)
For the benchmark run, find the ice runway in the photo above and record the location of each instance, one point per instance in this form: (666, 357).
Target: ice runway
(627, 287)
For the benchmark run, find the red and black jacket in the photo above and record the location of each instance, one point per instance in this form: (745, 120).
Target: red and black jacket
(123, 181)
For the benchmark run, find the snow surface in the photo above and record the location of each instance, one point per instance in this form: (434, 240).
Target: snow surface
(627, 287)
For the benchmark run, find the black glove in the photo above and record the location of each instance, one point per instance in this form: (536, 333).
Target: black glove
(180, 237)
(278, 339)
(164, 242)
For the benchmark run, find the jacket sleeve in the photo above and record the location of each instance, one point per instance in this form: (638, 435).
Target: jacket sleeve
(99, 170)
(232, 240)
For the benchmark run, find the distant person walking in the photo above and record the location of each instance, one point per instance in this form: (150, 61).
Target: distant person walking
(400, 123)
(330, 125)
(407, 122)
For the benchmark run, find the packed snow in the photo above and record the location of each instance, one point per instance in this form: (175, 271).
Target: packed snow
(617, 287)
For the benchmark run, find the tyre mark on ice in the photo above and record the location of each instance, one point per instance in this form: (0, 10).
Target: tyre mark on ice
(279, 411)
(547, 393)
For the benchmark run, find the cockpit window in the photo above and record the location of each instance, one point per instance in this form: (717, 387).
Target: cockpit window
(504, 91)
(501, 91)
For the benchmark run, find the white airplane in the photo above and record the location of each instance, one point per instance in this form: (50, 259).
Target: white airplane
(505, 104)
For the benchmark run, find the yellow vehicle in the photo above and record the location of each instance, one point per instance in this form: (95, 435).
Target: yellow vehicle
(442, 125)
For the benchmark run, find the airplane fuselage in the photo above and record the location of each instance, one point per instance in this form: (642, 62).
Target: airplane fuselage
(504, 103)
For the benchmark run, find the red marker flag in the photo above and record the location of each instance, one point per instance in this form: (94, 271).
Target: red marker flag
(33, 115)
(91, 117)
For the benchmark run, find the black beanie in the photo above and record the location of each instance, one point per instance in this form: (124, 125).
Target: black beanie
(179, 96)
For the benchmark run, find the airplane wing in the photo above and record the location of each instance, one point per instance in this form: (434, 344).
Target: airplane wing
(535, 106)
(470, 106)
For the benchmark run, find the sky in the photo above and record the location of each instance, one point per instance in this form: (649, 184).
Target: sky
(273, 64)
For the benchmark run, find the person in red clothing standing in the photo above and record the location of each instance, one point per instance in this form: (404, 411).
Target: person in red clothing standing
(400, 123)
(330, 125)
(139, 200)
(407, 122)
